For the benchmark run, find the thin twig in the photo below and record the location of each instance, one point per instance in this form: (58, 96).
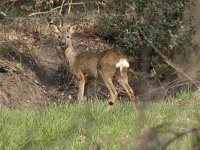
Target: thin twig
(63, 2)
(70, 5)
(10, 6)
(5, 2)
(43, 12)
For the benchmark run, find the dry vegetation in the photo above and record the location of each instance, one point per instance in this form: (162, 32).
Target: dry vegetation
(31, 53)
(38, 75)
(37, 65)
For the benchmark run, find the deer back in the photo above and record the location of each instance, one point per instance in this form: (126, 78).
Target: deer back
(112, 59)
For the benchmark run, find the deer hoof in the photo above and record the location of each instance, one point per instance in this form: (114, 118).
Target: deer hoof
(110, 103)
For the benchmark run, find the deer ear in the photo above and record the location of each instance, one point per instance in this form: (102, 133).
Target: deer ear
(55, 29)
(72, 29)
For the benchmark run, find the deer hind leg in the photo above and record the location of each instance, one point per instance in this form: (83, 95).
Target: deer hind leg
(109, 84)
(86, 90)
(122, 78)
(90, 90)
(93, 85)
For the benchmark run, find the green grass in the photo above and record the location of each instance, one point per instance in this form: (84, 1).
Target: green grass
(89, 125)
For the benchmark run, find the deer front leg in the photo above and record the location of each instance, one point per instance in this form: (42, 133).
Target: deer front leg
(81, 86)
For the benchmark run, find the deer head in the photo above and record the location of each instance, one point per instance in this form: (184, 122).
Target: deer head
(64, 35)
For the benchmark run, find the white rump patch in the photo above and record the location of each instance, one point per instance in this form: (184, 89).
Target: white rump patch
(122, 63)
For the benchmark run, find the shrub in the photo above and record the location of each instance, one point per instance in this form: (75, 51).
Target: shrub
(162, 22)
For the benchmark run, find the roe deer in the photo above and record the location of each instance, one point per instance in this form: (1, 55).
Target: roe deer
(108, 64)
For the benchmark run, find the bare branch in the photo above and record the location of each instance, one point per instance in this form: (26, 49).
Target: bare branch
(170, 63)
(44, 12)
(70, 5)
(63, 2)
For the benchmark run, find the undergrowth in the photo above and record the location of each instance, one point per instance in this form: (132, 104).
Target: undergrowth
(93, 125)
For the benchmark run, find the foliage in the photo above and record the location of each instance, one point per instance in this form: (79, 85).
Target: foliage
(162, 21)
(92, 125)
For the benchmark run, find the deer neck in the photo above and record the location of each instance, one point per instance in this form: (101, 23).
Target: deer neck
(70, 55)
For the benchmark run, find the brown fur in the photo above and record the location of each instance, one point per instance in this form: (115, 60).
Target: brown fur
(88, 65)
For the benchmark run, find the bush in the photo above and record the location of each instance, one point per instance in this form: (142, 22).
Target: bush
(162, 22)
